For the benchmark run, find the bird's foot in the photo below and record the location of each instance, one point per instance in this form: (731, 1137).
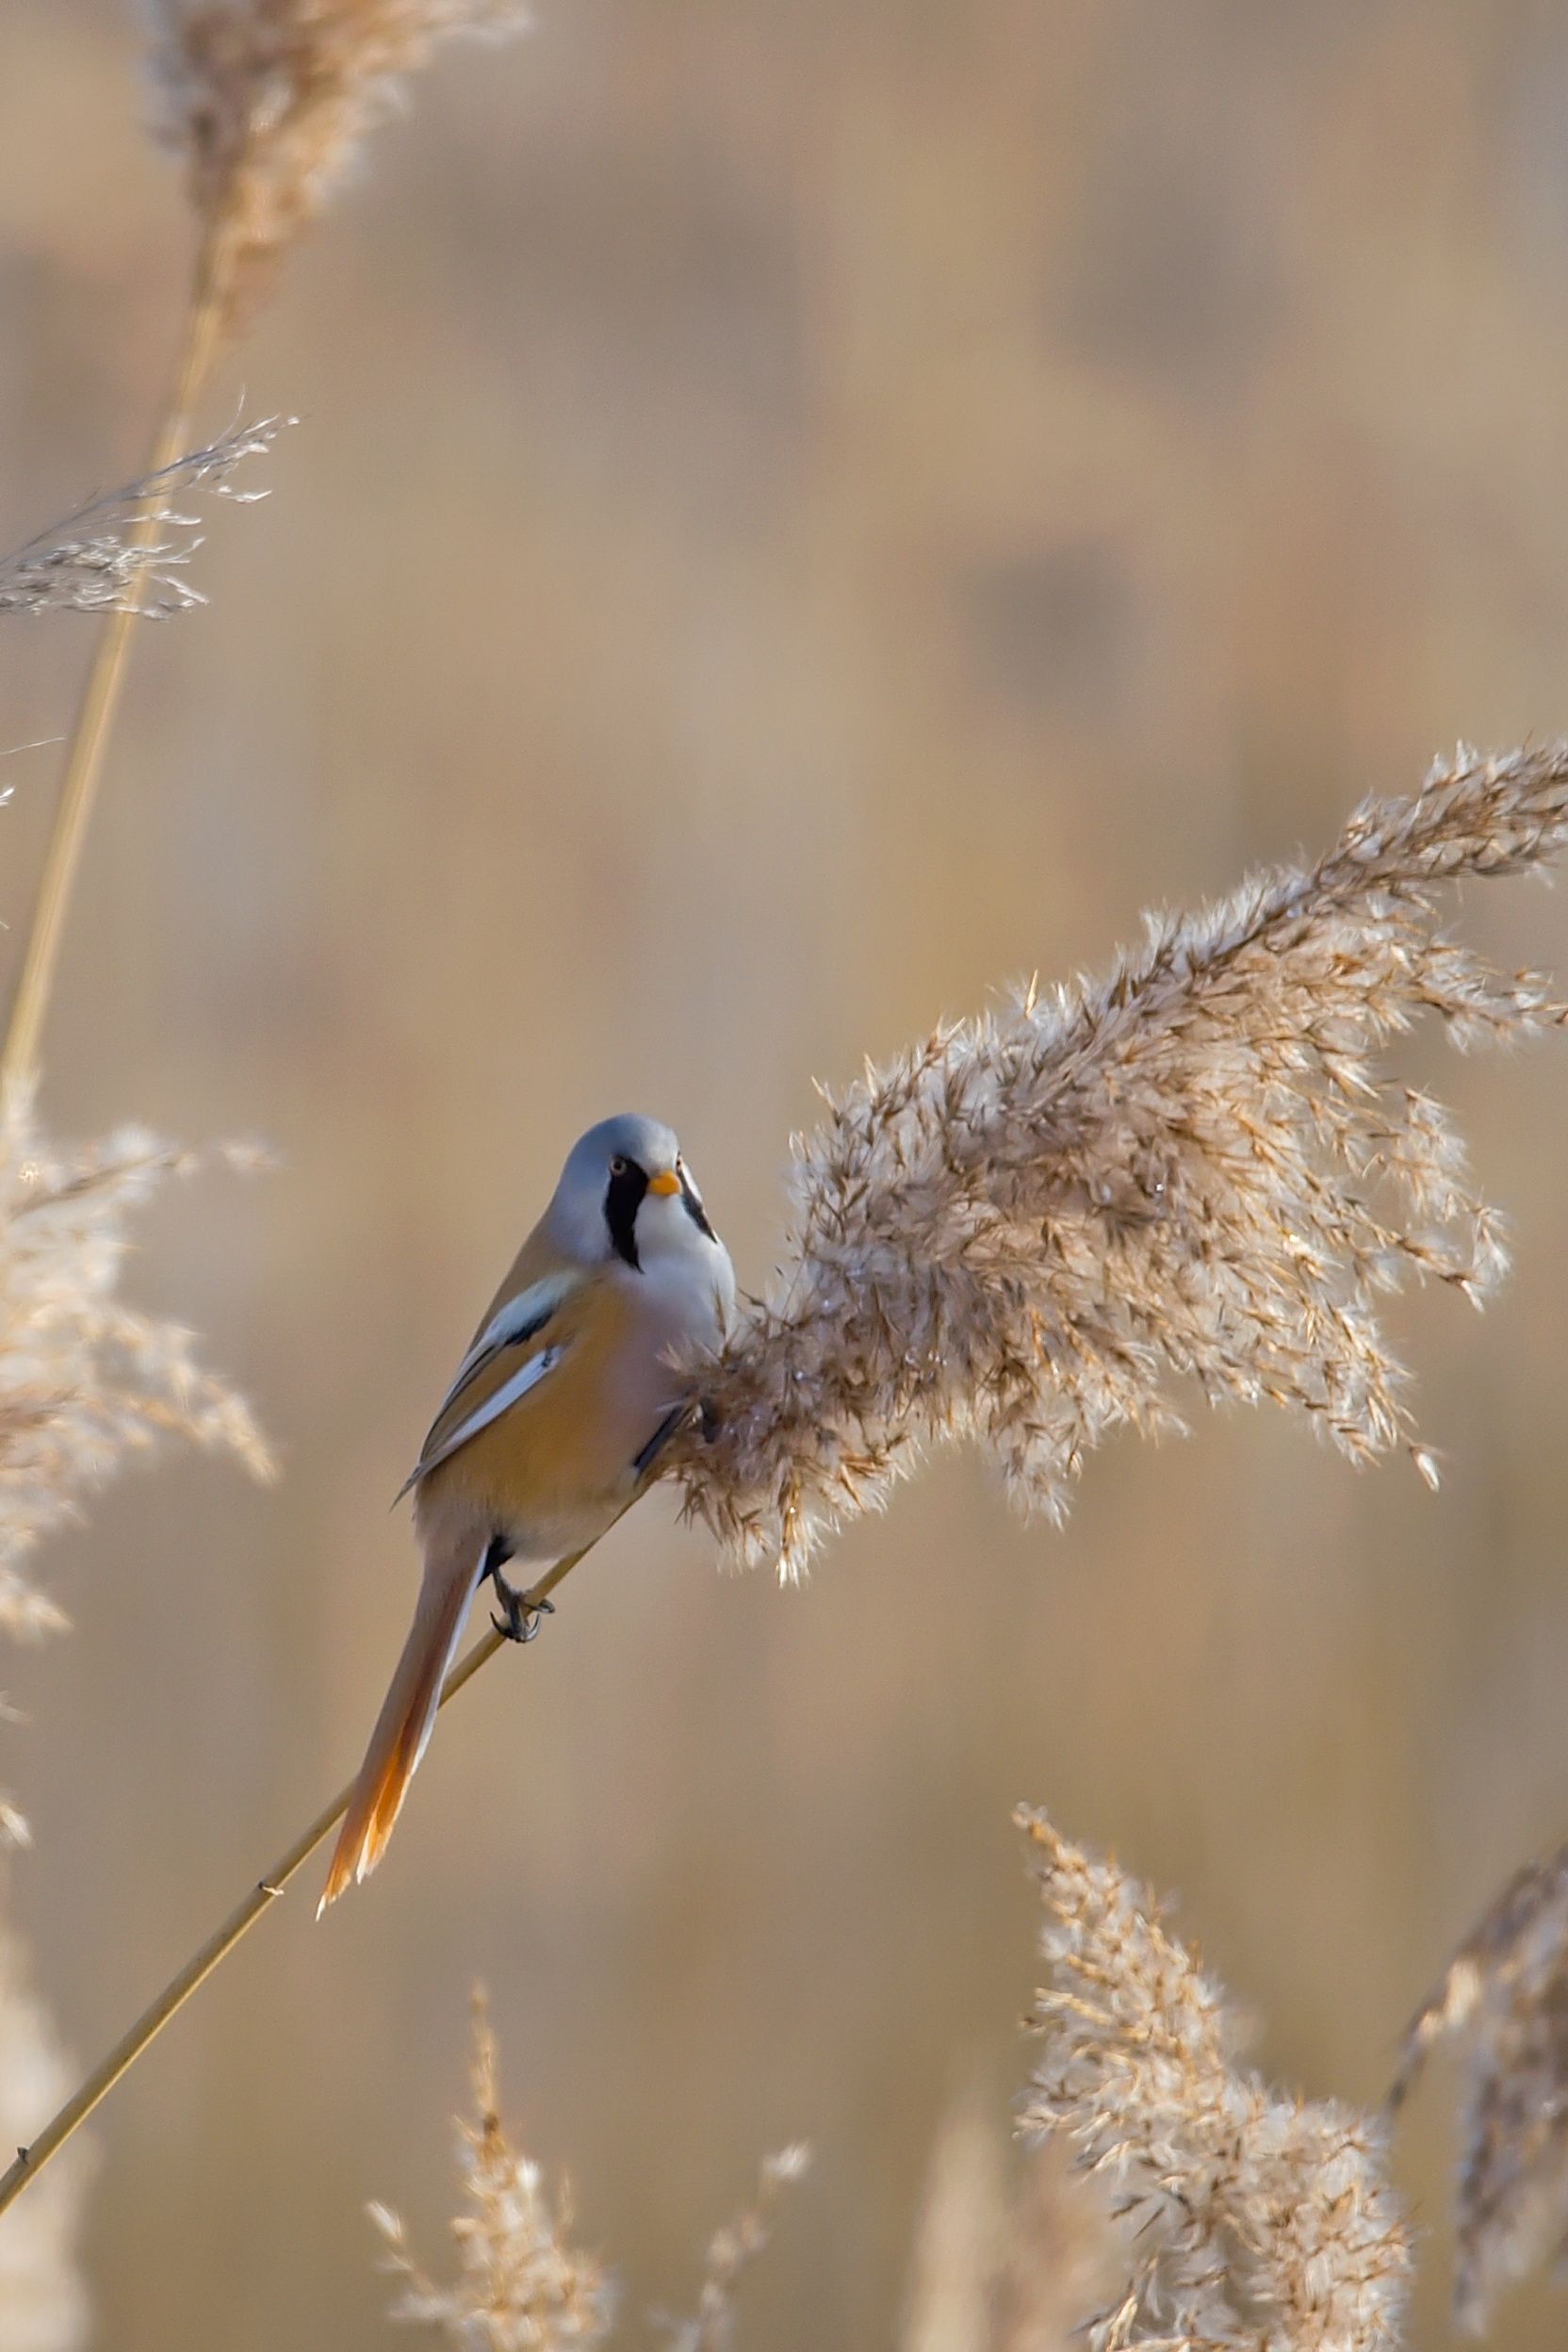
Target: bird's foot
(521, 1614)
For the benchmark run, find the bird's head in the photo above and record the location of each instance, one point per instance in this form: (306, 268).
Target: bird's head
(627, 1194)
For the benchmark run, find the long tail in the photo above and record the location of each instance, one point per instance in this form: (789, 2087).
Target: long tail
(404, 1725)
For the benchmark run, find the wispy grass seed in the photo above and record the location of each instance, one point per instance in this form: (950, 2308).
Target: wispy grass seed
(1034, 1229)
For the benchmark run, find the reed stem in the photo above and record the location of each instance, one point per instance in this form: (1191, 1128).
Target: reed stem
(199, 346)
(31, 2160)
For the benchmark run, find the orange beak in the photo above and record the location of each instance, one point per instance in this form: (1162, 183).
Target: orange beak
(665, 1183)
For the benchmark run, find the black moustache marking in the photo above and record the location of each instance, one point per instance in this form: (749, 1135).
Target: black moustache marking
(695, 1209)
(622, 1200)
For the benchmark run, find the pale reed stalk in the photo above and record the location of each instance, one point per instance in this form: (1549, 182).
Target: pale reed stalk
(89, 736)
(267, 100)
(259, 1897)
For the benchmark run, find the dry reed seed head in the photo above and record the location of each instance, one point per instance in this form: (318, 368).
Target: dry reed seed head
(41, 2295)
(269, 102)
(1031, 1229)
(730, 2251)
(105, 558)
(1254, 2218)
(999, 2271)
(1505, 1996)
(520, 2287)
(84, 1379)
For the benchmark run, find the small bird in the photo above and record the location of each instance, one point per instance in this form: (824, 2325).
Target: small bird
(557, 1412)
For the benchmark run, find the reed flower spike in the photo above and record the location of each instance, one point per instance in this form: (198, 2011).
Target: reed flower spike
(99, 560)
(1196, 1170)
(1504, 1997)
(269, 102)
(1252, 2218)
(85, 1380)
(520, 2284)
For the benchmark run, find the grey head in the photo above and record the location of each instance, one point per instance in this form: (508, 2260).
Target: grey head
(626, 1193)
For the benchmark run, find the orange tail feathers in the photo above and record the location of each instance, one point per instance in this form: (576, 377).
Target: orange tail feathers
(403, 1726)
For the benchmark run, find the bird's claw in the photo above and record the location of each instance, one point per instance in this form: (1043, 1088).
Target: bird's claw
(521, 1617)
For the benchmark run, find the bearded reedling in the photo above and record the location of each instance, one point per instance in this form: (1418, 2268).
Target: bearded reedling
(555, 1417)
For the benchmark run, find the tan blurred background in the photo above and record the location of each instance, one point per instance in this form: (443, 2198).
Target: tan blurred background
(803, 513)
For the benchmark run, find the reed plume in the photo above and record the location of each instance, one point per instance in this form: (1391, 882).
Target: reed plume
(270, 101)
(1252, 2217)
(42, 2299)
(731, 2251)
(521, 2287)
(1000, 2266)
(96, 561)
(1030, 1229)
(1504, 1997)
(85, 1379)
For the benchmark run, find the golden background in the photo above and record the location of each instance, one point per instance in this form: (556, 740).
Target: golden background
(802, 514)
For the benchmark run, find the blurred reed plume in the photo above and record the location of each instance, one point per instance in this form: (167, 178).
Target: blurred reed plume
(1001, 2266)
(269, 102)
(519, 2283)
(730, 2251)
(1028, 1229)
(84, 1378)
(958, 2248)
(1505, 1996)
(1251, 2216)
(96, 561)
(521, 2287)
(42, 2296)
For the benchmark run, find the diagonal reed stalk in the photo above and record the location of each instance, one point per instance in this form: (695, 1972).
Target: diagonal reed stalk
(31, 2160)
(210, 295)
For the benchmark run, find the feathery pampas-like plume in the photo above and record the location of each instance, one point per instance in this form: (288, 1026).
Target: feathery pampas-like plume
(1000, 2266)
(1026, 1229)
(1505, 1995)
(84, 1378)
(520, 2286)
(269, 100)
(94, 561)
(42, 2297)
(730, 2251)
(1254, 2218)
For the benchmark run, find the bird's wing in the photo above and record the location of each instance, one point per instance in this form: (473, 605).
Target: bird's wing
(518, 1346)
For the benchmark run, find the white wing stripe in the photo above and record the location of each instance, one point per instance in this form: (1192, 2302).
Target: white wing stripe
(513, 1319)
(527, 1376)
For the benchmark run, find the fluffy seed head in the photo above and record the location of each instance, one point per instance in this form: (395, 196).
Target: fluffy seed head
(1252, 2217)
(1194, 1171)
(520, 2286)
(269, 100)
(1505, 1996)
